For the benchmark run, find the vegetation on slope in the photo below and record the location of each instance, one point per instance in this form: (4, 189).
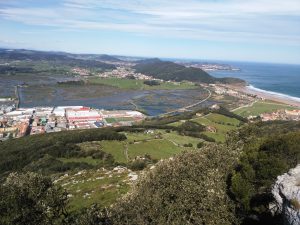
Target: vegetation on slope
(31, 199)
(40, 152)
(171, 71)
(55, 58)
(261, 107)
(216, 184)
(270, 149)
(188, 189)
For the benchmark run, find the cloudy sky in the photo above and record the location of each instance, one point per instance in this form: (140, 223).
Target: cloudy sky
(254, 30)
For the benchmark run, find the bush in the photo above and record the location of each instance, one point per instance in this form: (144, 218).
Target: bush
(31, 199)
(263, 159)
(18, 153)
(189, 145)
(93, 215)
(200, 145)
(151, 82)
(137, 164)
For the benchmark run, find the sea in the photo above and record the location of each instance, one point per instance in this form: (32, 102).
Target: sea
(279, 79)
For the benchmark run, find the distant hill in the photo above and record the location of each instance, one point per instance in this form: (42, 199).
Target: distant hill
(147, 61)
(54, 57)
(166, 70)
(108, 58)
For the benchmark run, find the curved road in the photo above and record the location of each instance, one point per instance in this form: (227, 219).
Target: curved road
(189, 106)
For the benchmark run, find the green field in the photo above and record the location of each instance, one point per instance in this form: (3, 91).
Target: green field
(221, 119)
(116, 120)
(222, 124)
(181, 140)
(156, 148)
(139, 84)
(115, 148)
(159, 145)
(261, 107)
(140, 136)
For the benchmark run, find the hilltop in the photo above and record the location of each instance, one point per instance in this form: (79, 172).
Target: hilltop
(167, 70)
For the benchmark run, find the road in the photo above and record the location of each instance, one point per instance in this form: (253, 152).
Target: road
(245, 106)
(189, 106)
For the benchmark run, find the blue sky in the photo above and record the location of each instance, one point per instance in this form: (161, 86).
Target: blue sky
(256, 30)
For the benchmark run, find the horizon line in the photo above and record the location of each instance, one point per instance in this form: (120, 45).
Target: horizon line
(149, 57)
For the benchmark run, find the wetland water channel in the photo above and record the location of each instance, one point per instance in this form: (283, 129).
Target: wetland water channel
(153, 103)
(44, 91)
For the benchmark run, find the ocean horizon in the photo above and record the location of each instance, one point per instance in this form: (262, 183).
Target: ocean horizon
(276, 79)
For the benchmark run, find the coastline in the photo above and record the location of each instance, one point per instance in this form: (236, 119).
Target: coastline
(274, 96)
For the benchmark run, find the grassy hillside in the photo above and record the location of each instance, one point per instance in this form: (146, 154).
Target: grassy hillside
(82, 161)
(171, 71)
(221, 123)
(261, 107)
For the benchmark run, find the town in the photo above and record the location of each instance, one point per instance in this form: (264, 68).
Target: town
(19, 122)
(119, 72)
(282, 114)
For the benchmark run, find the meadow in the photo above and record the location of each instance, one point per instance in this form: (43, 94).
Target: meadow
(261, 107)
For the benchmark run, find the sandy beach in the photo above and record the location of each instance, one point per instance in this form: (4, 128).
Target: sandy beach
(277, 97)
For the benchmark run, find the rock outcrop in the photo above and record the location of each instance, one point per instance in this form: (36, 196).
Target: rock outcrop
(286, 192)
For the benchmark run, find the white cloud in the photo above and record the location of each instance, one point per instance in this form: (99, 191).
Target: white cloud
(229, 20)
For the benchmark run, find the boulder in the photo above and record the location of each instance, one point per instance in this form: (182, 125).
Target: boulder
(286, 192)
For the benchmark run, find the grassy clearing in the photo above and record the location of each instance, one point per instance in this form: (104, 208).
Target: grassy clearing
(181, 140)
(218, 136)
(115, 148)
(139, 84)
(218, 118)
(171, 86)
(131, 137)
(261, 107)
(222, 124)
(177, 123)
(95, 186)
(158, 145)
(156, 148)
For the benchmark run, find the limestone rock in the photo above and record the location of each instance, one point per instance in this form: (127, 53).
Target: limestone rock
(286, 192)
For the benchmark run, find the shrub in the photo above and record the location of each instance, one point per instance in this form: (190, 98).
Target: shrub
(189, 145)
(31, 199)
(200, 145)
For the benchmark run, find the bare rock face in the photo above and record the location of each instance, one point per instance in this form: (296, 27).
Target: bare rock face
(286, 192)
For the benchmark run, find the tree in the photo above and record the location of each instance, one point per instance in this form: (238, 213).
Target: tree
(31, 199)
